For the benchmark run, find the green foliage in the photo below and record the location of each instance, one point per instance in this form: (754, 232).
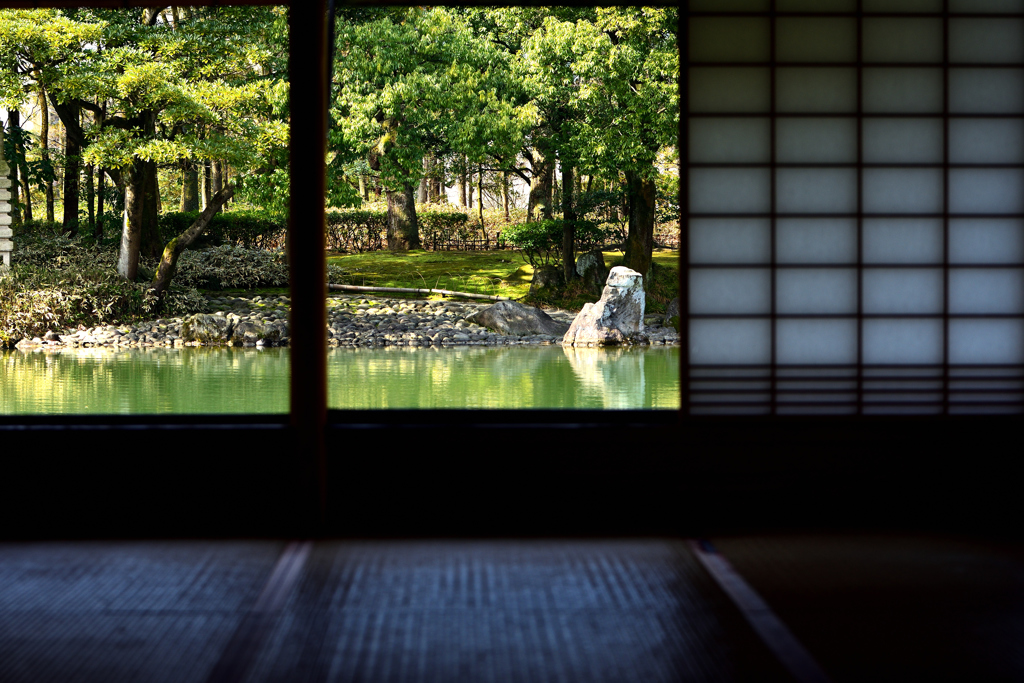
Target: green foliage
(58, 284)
(540, 242)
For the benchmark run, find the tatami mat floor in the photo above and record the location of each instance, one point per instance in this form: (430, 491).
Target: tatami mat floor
(868, 608)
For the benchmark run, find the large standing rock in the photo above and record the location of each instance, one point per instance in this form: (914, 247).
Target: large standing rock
(672, 311)
(547, 278)
(617, 318)
(591, 269)
(514, 318)
(205, 328)
(251, 332)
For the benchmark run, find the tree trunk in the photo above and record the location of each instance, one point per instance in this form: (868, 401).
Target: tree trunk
(131, 230)
(169, 259)
(421, 190)
(462, 188)
(152, 245)
(363, 194)
(569, 224)
(640, 238)
(540, 207)
(72, 171)
(403, 228)
(504, 195)
(435, 189)
(14, 119)
(216, 179)
(101, 192)
(206, 183)
(189, 186)
(90, 200)
(44, 147)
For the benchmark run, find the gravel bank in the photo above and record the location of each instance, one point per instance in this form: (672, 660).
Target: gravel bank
(351, 321)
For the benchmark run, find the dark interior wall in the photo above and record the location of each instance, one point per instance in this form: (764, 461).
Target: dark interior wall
(502, 474)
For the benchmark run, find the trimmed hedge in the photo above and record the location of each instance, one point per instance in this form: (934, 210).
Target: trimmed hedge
(249, 229)
(540, 242)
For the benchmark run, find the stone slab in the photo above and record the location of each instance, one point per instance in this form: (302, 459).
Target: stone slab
(5, 258)
(5, 169)
(5, 219)
(6, 232)
(5, 206)
(6, 245)
(5, 182)
(5, 195)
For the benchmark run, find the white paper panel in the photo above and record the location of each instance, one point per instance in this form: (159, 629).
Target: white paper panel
(986, 341)
(729, 39)
(730, 290)
(910, 141)
(902, 291)
(986, 291)
(815, 39)
(729, 89)
(730, 140)
(986, 240)
(816, 290)
(817, 190)
(987, 190)
(816, 341)
(730, 240)
(902, 240)
(986, 91)
(902, 5)
(986, 141)
(805, 90)
(895, 341)
(724, 342)
(816, 240)
(816, 140)
(815, 5)
(985, 6)
(730, 190)
(986, 40)
(902, 190)
(730, 5)
(900, 90)
(902, 40)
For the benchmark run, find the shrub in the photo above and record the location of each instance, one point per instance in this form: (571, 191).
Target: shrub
(59, 284)
(540, 242)
(228, 267)
(443, 227)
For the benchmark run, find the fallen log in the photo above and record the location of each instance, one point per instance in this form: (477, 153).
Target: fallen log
(408, 290)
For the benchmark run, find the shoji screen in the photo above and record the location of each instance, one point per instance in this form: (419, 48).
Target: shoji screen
(855, 210)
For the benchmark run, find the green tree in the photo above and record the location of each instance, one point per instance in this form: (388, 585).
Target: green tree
(414, 82)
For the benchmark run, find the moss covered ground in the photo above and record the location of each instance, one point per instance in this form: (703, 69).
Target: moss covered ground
(501, 273)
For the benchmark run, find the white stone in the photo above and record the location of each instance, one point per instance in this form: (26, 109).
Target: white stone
(5, 219)
(5, 182)
(6, 232)
(6, 245)
(617, 318)
(5, 207)
(4, 168)
(5, 194)
(5, 258)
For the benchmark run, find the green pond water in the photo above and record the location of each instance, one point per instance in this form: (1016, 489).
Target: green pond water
(230, 380)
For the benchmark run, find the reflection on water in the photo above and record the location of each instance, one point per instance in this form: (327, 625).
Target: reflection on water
(239, 380)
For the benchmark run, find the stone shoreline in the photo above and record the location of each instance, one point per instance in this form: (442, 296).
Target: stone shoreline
(352, 321)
